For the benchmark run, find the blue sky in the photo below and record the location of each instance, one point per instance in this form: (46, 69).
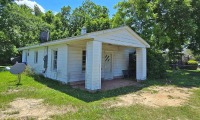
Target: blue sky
(56, 5)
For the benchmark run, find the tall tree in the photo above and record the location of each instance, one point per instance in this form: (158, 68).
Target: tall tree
(48, 17)
(19, 27)
(93, 17)
(165, 24)
(5, 2)
(195, 39)
(37, 11)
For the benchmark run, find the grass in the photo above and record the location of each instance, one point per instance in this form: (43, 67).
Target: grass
(89, 105)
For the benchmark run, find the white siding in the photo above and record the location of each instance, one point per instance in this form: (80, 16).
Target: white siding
(69, 68)
(37, 67)
(24, 55)
(75, 72)
(141, 64)
(123, 38)
(120, 59)
(61, 73)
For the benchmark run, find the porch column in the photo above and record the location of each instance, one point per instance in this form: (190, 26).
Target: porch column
(93, 65)
(141, 64)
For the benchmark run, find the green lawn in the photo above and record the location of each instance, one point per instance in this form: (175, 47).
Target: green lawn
(89, 105)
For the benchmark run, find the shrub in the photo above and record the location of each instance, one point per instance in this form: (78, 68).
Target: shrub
(192, 62)
(156, 65)
(29, 71)
(191, 65)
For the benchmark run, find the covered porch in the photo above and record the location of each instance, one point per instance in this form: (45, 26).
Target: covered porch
(104, 56)
(99, 64)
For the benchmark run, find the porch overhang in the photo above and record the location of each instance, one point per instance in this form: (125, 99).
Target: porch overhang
(57, 42)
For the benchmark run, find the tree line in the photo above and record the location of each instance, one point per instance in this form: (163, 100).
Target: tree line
(164, 24)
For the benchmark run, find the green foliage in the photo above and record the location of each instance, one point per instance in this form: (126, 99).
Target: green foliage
(21, 26)
(197, 57)
(37, 11)
(195, 39)
(7, 49)
(192, 62)
(164, 24)
(4, 2)
(156, 65)
(93, 17)
(29, 71)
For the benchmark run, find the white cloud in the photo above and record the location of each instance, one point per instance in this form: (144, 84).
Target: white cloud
(30, 4)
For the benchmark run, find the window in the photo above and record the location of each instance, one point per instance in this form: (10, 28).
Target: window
(54, 59)
(83, 60)
(36, 57)
(26, 56)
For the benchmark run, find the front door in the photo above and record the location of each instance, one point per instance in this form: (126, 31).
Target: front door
(108, 66)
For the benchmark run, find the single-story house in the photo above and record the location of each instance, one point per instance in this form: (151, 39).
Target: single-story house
(90, 57)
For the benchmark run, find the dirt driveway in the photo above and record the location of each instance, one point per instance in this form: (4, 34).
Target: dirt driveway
(156, 96)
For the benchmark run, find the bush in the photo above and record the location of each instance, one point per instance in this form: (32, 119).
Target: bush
(191, 65)
(29, 71)
(192, 62)
(156, 65)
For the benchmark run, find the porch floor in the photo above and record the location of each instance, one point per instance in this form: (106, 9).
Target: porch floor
(110, 84)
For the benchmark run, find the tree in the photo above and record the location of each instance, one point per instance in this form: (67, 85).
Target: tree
(93, 17)
(7, 49)
(195, 39)
(48, 17)
(5, 2)
(164, 24)
(37, 11)
(19, 27)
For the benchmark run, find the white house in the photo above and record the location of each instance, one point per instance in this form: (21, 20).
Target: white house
(90, 57)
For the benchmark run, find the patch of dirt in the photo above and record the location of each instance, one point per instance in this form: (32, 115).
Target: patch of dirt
(155, 97)
(32, 108)
(10, 91)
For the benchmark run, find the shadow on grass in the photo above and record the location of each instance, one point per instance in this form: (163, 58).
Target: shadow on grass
(181, 78)
(82, 94)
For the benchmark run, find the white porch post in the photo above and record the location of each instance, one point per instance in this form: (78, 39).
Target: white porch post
(93, 65)
(141, 64)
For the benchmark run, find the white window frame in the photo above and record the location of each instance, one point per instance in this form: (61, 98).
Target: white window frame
(54, 60)
(36, 57)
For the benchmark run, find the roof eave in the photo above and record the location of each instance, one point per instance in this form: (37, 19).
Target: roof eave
(56, 42)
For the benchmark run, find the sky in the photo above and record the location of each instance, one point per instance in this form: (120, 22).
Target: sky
(56, 5)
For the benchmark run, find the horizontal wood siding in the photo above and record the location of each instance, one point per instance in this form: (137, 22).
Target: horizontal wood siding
(61, 73)
(123, 38)
(37, 67)
(75, 72)
(120, 58)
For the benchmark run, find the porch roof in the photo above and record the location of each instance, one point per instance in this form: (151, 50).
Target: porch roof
(90, 36)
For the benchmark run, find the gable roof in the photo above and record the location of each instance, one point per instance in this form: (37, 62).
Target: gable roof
(88, 36)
